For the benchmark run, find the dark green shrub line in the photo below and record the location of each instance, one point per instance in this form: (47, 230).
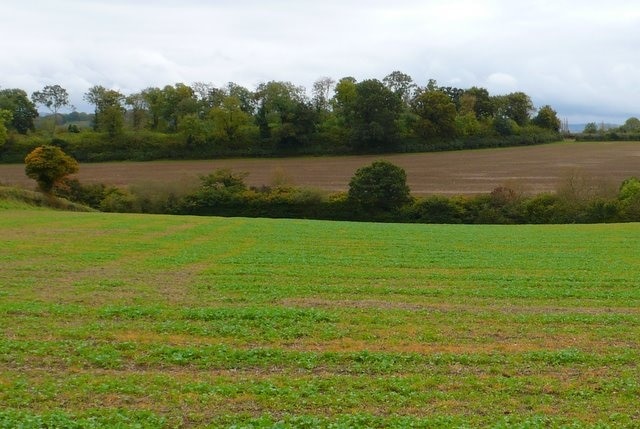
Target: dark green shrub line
(502, 206)
(148, 146)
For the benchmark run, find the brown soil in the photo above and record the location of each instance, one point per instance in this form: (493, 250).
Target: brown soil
(528, 169)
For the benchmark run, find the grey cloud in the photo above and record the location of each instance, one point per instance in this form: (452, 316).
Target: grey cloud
(580, 58)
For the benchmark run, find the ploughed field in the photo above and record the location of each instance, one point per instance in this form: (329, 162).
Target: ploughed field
(112, 320)
(530, 169)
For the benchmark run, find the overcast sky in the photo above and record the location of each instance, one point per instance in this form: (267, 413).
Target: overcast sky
(581, 57)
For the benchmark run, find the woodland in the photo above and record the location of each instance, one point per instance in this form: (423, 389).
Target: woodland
(276, 118)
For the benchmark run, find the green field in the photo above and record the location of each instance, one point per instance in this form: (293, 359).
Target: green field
(112, 320)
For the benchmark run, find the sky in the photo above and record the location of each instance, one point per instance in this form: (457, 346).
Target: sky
(580, 57)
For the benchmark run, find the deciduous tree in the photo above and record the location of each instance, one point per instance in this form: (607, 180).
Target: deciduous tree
(285, 116)
(155, 105)
(208, 95)
(547, 118)
(48, 165)
(22, 109)
(483, 105)
(401, 84)
(139, 108)
(179, 101)
(590, 128)
(109, 110)
(245, 96)
(437, 115)
(516, 106)
(232, 126)
(54, 98)
(631, 125)
(321, 93)
(194, 129)
(5, 118)
(167, 106)
(344, 98)
(376, 110)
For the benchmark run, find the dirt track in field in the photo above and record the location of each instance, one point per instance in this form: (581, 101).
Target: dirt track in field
(529, 169)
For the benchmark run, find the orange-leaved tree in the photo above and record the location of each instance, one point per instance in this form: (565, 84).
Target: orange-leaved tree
(48, 166)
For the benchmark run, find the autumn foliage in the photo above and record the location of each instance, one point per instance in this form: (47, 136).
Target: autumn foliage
(48, 165)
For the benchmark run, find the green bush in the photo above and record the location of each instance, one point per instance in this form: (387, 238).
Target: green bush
(629, 200)
(18, 146)
(630, 188)
(600, 210)
(550, 208)
(120, 201)
(435, 209)
(89, 195)
(379, 186)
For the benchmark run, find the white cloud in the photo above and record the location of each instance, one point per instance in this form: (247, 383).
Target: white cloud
(501, 83)
(579, 57)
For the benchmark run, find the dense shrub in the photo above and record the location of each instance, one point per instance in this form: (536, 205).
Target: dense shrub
(18, 147)
(120, 200)
(379, 186)
(600, 210)
(629, 200)
(435, 209)
(89, 195)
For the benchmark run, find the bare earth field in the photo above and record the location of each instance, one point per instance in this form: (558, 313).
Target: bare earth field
(529, 169)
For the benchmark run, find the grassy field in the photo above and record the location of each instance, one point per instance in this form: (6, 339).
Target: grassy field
(158, 321)
(530, 169)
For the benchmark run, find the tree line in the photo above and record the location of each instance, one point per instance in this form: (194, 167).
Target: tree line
(629, 131)
(276, 118)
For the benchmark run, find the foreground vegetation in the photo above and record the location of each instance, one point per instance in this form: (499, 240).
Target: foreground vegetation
(158, 321)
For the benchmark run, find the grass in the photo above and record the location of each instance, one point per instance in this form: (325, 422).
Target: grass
(16, 198)
(156, 321)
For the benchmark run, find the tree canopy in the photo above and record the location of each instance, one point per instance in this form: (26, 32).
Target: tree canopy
(279, 117)
(109, 111)
(375, 110)
(5, 118)
(547, 118)
(48, 165)
(436, 115)
(54, 98)
(23, 111)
